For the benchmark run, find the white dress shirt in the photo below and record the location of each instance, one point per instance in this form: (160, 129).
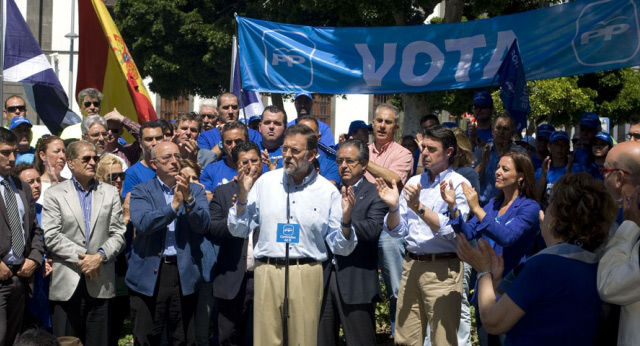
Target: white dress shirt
(315, 205)
(419, 237)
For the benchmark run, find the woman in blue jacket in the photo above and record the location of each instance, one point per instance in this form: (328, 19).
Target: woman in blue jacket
(509, 222)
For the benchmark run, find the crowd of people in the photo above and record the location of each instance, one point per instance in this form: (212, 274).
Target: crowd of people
(209, 231)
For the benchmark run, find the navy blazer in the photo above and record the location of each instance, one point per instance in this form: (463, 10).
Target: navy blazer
(357, 274)
(150, 215)
(513, 235)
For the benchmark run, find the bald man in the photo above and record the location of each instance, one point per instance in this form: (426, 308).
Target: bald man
(619, 268)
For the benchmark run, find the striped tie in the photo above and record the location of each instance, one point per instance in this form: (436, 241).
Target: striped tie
(17, 241)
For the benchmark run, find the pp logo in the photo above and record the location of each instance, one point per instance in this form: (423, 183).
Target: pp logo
(288, 59)
(607, 32)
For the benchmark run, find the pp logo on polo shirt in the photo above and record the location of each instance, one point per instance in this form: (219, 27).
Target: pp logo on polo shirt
(607, 32)
(288, 58)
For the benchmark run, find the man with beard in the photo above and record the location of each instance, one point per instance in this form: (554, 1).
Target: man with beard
(296, 206)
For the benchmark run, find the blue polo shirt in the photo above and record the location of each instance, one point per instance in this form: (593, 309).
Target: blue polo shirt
(136, 174)
(211, 138)
(216, 174)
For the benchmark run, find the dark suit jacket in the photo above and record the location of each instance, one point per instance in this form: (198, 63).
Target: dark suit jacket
(34, 246)
(229, 270)
(150, 215)
(357, 274)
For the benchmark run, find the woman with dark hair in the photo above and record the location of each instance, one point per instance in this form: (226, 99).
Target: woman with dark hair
(553, 297)
(50, 160)
(509, 222)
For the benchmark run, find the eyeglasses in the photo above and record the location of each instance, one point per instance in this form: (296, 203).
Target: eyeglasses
(114, 130)
(115, 176)
(294, 151)
(350, 162)
(88, 158)
(634, 136)
(13, 109)
(89, 103)
(232, 141)
(610, 170)
(234, 107)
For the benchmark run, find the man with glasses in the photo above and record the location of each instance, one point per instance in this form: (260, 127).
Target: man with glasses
(634, 128)
(351, 284)
(228, 113)
(223, 171)
(619, 266)
(208, 114)
(84, 231)
(280, 202)
(170, 215)
(21, 251)
(150, 135)
(14, 107)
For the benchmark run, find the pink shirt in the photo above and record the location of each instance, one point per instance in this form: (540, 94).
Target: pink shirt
(393, 156)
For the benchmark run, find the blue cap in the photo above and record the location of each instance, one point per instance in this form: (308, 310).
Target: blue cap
(357, 125)
(529, 140)
(590, 120)
(605, 137)
(449, 124)
(304, 93)
(545, 131)
(254, 118)
(483, 98)
(559, 135)
(15, 122)
(25, 158)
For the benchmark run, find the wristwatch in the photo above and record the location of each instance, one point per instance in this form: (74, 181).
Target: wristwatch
(421, 211)
(190, 200)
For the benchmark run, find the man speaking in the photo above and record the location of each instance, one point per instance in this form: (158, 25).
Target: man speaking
(296, 205)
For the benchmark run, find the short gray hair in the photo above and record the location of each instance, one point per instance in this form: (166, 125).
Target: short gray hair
(211, 103)
(363, 149)
(73, 149)
(91, 92)
(90, 121)
(396, 111)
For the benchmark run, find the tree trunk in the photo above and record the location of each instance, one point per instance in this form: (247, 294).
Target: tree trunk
(276, 100)
(453, 11)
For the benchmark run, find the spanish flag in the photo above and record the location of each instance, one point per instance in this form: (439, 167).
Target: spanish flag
(105, 63)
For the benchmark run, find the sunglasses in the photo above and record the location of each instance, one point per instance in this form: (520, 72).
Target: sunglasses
(13, 109)
(86, 159)
(89, 103)
(115, 176)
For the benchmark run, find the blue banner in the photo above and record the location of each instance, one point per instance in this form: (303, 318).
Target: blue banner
(563, 40)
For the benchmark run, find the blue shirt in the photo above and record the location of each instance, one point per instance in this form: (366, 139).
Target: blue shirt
(513, 233)
(329, 169)
(555, 173)
(560, 299)
(85, 204)
(582, 156)
(537, 163)
(136, 174)
(488, 177)
(216, 174)
(170, 238)
(273, 155)
(485, 135)
(211, 138)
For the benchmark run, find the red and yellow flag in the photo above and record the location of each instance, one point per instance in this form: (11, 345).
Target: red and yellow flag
(105, 63)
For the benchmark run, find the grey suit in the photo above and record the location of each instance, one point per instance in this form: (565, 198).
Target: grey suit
(81, 306)
(64, 236)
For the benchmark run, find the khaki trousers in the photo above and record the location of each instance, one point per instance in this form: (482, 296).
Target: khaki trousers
(305, 300)
(430, 294)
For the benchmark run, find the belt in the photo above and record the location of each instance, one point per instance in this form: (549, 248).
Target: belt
(282, 261)
(170, 259)
(432, 257)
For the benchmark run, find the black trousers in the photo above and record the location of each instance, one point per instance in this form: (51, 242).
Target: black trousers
(358, 320)
(167, 310)
(235, 316)
(82, 316)
(13, 298)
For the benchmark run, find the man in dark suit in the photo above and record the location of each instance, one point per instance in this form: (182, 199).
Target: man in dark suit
(233, 272)
(169, 215)
(351, 285)
(21, 244)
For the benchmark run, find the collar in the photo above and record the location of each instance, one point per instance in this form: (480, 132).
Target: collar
(92, 186)
(164, 187)
(383, 149)
(440, 177)
(310, 178)
(357, 184)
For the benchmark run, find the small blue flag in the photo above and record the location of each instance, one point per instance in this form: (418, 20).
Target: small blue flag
(513, 87)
